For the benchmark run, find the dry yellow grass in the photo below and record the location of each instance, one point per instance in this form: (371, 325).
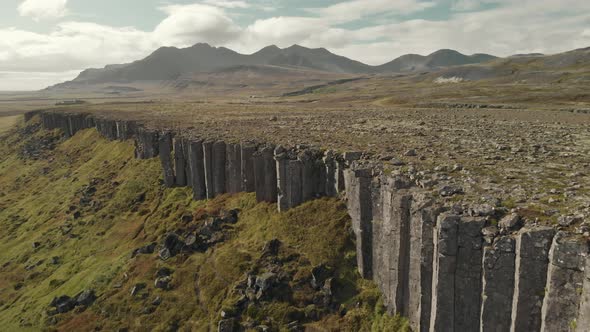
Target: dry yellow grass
(7, 122)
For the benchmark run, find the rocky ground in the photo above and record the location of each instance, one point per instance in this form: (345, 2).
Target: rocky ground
(535, 159)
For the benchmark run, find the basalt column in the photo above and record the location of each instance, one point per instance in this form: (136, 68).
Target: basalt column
(208, 166)
(497, 285)
(179, 162)
(197, 170)
(310, 175)
(265, 175)
(233, 174)
(422, 222)
(330, 174)
(289, 182)
(146, 144)
(530, 277)
(359, 196)
(187, 166)
(339, 182)
(565, 279)
(214, 156)
(443, 275)
(468, 274)
(583, 320)
(165, 151)
(391, 247)
(247, 171)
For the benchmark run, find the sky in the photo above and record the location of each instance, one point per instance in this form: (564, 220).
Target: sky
(43, 42)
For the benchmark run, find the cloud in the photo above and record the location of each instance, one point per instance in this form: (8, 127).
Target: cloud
(227, 4)
(465, 5)
(43, 9)
(546, 26)
(189, 24)
(357, 9)
(23, 81)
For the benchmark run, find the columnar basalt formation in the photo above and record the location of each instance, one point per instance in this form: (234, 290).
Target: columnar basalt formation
(443, 274)
(165, 151)
(423, 215)
(445, 267)
(360, 208)
(497, 284)
(289, 183)
(233, 174)
(265, 174)
(208, 167)
(186, 157)
(146, 143)
(583, 320)
(180, 165)
(468, 274)
(218, 153)
(565, 282)
(247, 168)
(330, 174)
(532, 250)
(197, 169)
(391, 246)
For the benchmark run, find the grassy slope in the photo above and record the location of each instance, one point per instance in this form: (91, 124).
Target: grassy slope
(38, 201)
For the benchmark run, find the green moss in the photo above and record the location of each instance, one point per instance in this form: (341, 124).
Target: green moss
(126, 208)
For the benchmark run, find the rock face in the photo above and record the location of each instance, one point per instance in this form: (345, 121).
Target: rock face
(180, 162)
(165, 151)
(583, 320)
(391, 247)
(247, 168)
(443, 274)
(446, 268)
(497, 284)
(423, 216)
(360, 206)
(265, 175)
(565, 281)
(233, 168)
(197, 169)
(532, 250)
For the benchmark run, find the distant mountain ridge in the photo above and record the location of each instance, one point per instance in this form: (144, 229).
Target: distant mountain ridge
(169, 63)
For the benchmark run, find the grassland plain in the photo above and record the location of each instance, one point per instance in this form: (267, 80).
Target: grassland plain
(72, 212)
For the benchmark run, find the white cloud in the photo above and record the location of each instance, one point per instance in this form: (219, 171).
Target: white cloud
(189, 24)
(227, 4)
(26, 80)
(43, 9)
(356, 9)
(465, 5)
(546, 26)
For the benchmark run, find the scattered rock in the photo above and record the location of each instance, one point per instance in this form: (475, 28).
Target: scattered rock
(410, 153)
(319, 275)
(137, 288)
(163, 282)
(147, 249)
(510, 222)
(271, 248)
(226, 325)
(186, 218)
(447, 191)
(566, 221)
(86, 297)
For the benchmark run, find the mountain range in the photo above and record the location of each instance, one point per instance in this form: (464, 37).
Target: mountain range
(170, 63)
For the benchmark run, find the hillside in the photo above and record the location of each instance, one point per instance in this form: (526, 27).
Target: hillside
(436, 60)
(170, 63)
(85, 229)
